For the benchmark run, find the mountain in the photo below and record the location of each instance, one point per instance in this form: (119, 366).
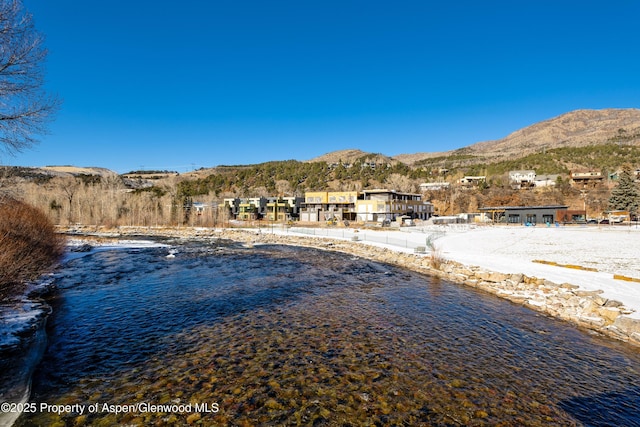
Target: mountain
(619, 129)
(578, 128)
(16, 174)
(574, 129)
(351, 155)
(75, 170)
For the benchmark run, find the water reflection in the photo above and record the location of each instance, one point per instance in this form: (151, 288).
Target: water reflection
(291, 336)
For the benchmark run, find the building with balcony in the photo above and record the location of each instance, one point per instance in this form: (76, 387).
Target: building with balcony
(364, 206)
(380, 205)
(586, 178)
(282, 209)
(246, 209)
(329, 205)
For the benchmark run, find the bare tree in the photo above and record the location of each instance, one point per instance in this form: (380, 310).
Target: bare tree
(401, 183)
(24, 106)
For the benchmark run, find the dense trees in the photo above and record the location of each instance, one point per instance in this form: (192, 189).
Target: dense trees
(604, 157)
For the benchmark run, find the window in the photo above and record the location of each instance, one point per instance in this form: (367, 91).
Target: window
(531, 218)
(514, 219)
(547, 219)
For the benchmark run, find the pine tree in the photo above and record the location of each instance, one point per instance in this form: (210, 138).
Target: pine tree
(626, 196)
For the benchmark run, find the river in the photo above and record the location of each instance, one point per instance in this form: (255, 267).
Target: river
(221, 334)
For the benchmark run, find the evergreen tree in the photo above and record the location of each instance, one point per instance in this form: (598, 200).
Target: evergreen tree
(626, 196)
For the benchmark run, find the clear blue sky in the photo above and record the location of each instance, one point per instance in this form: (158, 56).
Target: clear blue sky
(171, 85)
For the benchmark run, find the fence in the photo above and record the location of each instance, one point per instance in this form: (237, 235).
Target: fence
(417, 238)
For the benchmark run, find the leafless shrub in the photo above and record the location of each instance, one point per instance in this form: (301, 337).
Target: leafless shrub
(436, 258)
(29, 245)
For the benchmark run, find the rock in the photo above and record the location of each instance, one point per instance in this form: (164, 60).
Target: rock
(581, 293)
(628, 325)
(516, 278)
(466, 272)
(490, 276)
(599, 300)
(609, 314)
(613, 303)
(82, 248)
(591, 321)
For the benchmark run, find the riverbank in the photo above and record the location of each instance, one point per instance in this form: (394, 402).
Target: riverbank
(485, 259)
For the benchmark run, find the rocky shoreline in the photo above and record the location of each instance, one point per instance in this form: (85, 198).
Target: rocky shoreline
(565, 301)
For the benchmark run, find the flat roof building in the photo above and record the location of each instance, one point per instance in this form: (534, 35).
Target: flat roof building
(532, 215)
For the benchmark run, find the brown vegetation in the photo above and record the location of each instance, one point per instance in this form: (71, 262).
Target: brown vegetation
(29, 245)
(97, 197)
(578, 128)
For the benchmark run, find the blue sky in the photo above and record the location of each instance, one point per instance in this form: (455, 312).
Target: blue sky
(198, 83)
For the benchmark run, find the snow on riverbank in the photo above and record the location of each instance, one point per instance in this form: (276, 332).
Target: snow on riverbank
(513, 249)
(20, 315)
(609, 250)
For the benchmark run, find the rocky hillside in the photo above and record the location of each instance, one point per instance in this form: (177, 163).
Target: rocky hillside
(578, 128)
(44, 174)
(575, 129)
(351, 156)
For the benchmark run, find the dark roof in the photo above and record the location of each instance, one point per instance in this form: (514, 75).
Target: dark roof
(510, 208)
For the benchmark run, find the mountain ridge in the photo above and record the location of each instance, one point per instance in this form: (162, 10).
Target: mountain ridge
(576, 128)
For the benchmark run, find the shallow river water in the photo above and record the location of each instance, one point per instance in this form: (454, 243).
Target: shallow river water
(273, 335)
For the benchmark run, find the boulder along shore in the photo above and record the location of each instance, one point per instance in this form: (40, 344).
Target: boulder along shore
(565, 301)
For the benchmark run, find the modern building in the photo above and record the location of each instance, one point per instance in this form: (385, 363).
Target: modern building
(380, 205)
(253, 208)
(246, 209)
(283, 208)
(329, 205)
(532, 215)
(365, 206)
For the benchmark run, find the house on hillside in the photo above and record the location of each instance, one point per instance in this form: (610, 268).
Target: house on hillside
(522, 179)
(471, 181)
(545, 180)
(434, 186)
(584, 179)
